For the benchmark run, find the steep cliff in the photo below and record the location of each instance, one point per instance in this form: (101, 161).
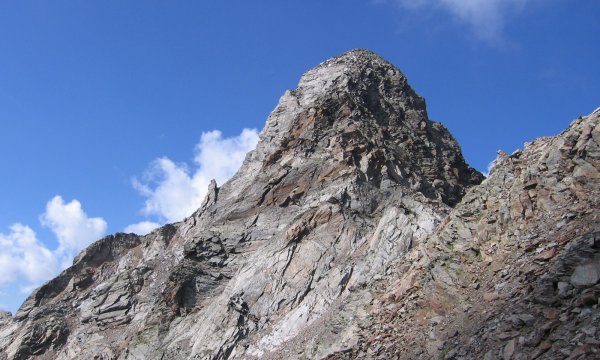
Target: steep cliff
(354, 229)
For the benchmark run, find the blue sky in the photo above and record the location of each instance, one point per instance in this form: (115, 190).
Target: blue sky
(116, 113)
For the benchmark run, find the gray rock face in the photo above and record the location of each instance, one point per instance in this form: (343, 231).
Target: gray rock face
(337, 237)
(511, 272)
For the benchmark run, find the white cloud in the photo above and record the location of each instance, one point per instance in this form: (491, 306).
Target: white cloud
(219, 158)
(489, 168)
(487, 18)
(73, 228)
(171, 191)
(23, 257)
(27, 262)
(141, 228)
(174, 191)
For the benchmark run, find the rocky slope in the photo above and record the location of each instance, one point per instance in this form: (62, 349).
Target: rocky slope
(355, 229)
(512, 272)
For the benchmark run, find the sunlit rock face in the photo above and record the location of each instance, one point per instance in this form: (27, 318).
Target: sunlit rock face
(352, 227)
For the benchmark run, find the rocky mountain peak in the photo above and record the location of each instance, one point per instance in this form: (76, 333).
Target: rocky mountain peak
(366, 79)
(355, 71)
(356, 114)
(354, 229)
(352, 65)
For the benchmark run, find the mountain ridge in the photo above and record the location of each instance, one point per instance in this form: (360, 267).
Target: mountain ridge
(350, 182)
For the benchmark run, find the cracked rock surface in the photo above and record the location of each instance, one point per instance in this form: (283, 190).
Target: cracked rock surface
(354, 229)
(511, 273)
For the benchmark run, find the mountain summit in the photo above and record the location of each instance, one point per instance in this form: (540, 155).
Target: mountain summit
(356, 112)
(353, 208)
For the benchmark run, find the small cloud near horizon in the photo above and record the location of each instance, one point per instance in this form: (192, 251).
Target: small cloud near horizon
(28, 263)
(142, 228)
(174, 191)
(489, 168)
(71, 225)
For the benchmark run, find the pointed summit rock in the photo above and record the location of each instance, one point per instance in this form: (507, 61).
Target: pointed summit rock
(338, 222)
(356, 116)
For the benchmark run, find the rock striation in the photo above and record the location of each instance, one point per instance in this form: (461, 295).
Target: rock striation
(355, 229)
